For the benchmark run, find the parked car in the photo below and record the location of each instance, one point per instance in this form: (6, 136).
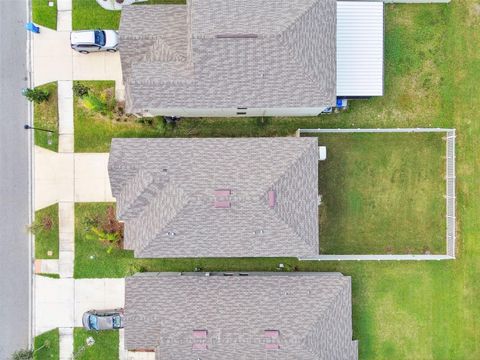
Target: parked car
(87, 41)
(103, 319)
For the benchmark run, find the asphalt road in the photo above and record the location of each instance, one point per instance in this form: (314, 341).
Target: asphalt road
(14, 180)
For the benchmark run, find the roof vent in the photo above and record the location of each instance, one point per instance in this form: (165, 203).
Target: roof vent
(171, 233)
(272, 198)
(271, 333)
(222, 204)
(200, 333)
(199, 346)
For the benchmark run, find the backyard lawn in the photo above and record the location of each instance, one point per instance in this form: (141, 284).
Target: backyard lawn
(105, 346)
(47, 346)
(401, 310)
(44, 15)
(46, 117)
(382, 193)
(45, 229)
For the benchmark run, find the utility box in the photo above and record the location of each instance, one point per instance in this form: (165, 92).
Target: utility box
(322, 153)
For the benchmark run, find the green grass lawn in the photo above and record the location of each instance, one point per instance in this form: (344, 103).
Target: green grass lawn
(46, 117)
(401, 310)
(382, 193)
(44, 15)
(105, 346)
(45, 229)
(87, 14)
(47, 346)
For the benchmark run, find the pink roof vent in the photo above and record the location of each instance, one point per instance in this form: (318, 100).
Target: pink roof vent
(199, 346)
(272, 198)
(200, 333)
(222, 204)
(271, 333)
(223, 192)
(272, 346)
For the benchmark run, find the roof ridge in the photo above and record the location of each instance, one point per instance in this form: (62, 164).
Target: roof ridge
(280, 177)
(341, 288)
(300, 15)
(283, 41)
(146, 243)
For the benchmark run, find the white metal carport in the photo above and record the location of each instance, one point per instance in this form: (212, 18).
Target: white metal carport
(360, 36)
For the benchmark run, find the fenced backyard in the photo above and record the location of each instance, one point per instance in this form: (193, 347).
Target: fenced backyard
(387, 194)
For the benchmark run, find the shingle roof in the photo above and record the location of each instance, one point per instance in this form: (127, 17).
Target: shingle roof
(311, 311)
(272, 53)
(166, 186)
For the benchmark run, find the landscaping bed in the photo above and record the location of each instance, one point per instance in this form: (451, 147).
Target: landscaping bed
(104, 348)
(44, 15)
(382, 193)
(45, 229)
(46, 117)
(47, 346)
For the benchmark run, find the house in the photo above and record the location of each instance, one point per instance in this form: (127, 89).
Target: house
(219, 197)
(216, 316)
(250, 57)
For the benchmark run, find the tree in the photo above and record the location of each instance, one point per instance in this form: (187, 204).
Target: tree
(36, 95)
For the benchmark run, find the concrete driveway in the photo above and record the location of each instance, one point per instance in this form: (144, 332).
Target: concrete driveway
(55, 60)
(62, 302)
(70, 177)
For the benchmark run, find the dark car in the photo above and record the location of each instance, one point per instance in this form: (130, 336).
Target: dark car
(103, 319)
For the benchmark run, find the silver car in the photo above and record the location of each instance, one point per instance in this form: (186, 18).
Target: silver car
(87, 41)
(103, 319)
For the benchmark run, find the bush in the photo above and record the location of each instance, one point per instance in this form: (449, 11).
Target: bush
(80, 89)
(36, 95)
(23, 355)
(42, 224)
(134, 268)
(95, 104)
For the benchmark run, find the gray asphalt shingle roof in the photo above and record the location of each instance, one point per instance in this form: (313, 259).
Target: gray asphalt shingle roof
(165, 191)
(311, 311)
(229, 53)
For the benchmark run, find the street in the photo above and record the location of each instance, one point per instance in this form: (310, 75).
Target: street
(14, 180)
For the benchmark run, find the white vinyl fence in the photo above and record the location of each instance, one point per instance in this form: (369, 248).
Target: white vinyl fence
(449, 196)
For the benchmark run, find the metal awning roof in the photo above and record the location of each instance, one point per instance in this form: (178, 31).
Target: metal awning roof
(360, 33)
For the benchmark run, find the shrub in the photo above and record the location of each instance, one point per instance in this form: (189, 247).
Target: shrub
(80, 89)
(36, 95)
(23, 355)
(262, 122)
(134, 268)
(106, 228)
(42, 224)
(161, 127)
(94, 103)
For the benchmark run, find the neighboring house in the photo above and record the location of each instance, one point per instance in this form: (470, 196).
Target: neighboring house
(250, 57)
(220, 197)
(281, 316)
